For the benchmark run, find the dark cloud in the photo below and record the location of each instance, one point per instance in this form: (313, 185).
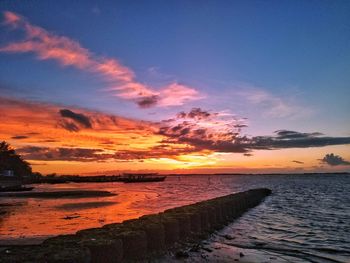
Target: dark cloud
(69, 126)
(147, 102)
(333, 160)
(38, 164)
(33, 133)
(62, 154)
(228, 138)
(298, 162)
(195, 113)
(77, 117)
(49, 140)
(159, 151)
(291, 139)
(202, 139)
(19, 137)
(248, 154)
(87, 155)
(240, 125)
(286, 134)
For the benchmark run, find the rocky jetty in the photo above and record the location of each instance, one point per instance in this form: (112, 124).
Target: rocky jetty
(140, 239)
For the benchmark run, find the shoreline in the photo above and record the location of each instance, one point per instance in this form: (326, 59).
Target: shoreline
(59, 194)
(151, 236)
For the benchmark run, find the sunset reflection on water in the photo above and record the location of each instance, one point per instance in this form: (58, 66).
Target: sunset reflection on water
(33, 219)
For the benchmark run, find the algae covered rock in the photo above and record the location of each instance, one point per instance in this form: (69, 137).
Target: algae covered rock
(134, 244)
(46, 254)
(101, 246)
(154, 230)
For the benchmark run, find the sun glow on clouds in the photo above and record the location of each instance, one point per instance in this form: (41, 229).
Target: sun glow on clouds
(45, 125)
(119, 79)
(67, 140)
(51, 136)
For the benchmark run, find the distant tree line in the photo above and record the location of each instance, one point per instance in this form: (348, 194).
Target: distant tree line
(10, 160)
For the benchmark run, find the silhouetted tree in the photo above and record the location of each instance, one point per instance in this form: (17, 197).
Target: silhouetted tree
(10, 160)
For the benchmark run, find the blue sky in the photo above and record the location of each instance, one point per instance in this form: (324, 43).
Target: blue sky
(286, 48)
(281, 64)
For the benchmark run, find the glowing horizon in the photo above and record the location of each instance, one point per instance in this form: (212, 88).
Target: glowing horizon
(126, 119)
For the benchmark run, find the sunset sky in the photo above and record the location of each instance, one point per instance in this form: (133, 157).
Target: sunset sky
(92, 87)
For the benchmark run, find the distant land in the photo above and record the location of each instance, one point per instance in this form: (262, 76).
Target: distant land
(57, 179)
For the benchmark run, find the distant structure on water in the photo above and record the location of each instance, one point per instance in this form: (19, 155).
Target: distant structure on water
(142, 177)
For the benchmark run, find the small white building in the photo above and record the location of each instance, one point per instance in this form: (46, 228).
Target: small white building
(7, 173)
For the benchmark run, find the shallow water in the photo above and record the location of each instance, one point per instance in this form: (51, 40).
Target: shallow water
(306, 216)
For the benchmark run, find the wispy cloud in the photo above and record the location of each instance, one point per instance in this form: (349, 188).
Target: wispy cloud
(271, 105)
(119, 79)
(177, 94)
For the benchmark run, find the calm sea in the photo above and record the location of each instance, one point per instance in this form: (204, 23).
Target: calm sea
(307, 216)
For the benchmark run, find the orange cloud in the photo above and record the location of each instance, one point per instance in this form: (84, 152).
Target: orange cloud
(47, 133)
(57, 138)
(119, 78)
(40, 124)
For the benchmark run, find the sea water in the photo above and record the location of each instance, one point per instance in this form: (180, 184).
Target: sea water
(307, 216)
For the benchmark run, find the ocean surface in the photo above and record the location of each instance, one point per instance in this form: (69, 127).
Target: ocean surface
(307, 216)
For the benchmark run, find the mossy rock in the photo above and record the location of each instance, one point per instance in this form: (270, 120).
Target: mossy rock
(67, 254)
(195, 219)
(112, 225)
(92, 232)
(170, 224)
(184, 223)
(171, 228)
(212, 216)
(107, 251)
(102, 246)
(62, 240)
(21, 254)
(220, 218)
(46, 254)
(154, 230)
(134, 244)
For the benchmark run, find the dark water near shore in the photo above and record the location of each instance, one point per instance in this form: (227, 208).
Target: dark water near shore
(307, 216)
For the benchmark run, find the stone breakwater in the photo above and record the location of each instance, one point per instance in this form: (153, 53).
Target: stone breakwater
(140, 239)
